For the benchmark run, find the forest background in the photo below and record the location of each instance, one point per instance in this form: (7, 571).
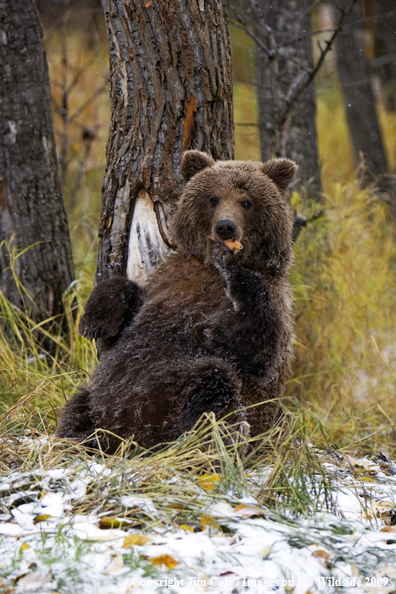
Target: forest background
(344, 372)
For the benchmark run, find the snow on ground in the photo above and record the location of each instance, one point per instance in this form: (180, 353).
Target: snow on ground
(45, 546)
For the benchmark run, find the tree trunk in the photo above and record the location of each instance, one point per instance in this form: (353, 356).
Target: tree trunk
(385, 49)
(31, 207)
(171, 90)
(284, 28)
(354, 72)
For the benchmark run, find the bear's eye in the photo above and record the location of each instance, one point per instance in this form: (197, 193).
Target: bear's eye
(246, 204)
(213, 202)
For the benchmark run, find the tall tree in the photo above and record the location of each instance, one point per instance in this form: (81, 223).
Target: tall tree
(385, 48)
(284, 60)
(171, 89)
(355, 76)
(32, 216)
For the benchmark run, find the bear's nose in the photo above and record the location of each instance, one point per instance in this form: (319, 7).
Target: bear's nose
(225, 229)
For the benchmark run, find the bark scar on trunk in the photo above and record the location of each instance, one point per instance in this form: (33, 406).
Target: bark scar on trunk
(189, 122)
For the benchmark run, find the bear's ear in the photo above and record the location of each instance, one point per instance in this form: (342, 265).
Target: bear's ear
(193, 162)
(281, 171)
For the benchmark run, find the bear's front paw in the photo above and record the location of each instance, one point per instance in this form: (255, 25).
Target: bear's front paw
(94, 327)
(222, 256)
(222, 259)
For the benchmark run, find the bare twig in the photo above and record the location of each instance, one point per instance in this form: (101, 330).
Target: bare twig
(241, 21)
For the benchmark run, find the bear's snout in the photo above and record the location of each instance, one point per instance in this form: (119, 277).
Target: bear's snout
(226, 229)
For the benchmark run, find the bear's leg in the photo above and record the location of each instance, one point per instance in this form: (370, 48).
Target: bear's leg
(250, 333)
(75, 421)
(110, 308)
(210, 385)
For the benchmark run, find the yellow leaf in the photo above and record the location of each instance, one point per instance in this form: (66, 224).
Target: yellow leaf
(24, 546)
(136, 539)
(185, 527)
(247, 511)
(208, 481)
(206, 521)
(266, 551)
(108, 523)
(41, 518)
(167, 560)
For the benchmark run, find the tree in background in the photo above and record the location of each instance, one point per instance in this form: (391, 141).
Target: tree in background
(354, 71)
(171, 90)
(32, 217)
(287, 123)
(385, 48)
(285, 82)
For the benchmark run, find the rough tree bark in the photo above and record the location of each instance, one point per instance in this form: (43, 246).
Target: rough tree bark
(171, 90)
(355, 76)
(283, 59)
(31, 206)
(385, 49)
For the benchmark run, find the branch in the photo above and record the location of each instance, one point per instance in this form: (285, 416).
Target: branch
(299, 85)
(242, 22)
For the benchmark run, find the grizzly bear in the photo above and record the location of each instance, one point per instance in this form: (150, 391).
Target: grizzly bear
(211, 329)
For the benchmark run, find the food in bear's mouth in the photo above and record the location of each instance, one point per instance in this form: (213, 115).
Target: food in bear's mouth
(233, 246)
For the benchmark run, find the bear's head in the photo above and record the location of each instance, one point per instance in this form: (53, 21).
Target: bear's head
(242, 200)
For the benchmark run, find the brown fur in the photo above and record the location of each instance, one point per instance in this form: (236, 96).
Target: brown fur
(214, 332)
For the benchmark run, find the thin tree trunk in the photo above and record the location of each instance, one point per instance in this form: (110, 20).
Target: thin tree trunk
(284, 28)
(385, 49)
(171, 90)
(355, 76)
(31, 206)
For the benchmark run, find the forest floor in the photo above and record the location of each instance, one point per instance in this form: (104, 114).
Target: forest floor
(195, 518)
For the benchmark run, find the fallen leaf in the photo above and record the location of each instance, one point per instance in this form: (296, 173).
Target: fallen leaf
(266, 551)
(167, 560)
(380, 509)
(360, 465)
(208, 481)
(41, 518)
(34, 580)
(185, 527)
(115, 564)
(247, 511)
(321, 554)
(206, 521)
(389, 529)
(136, 539)
(108, 523)
(24, 546)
